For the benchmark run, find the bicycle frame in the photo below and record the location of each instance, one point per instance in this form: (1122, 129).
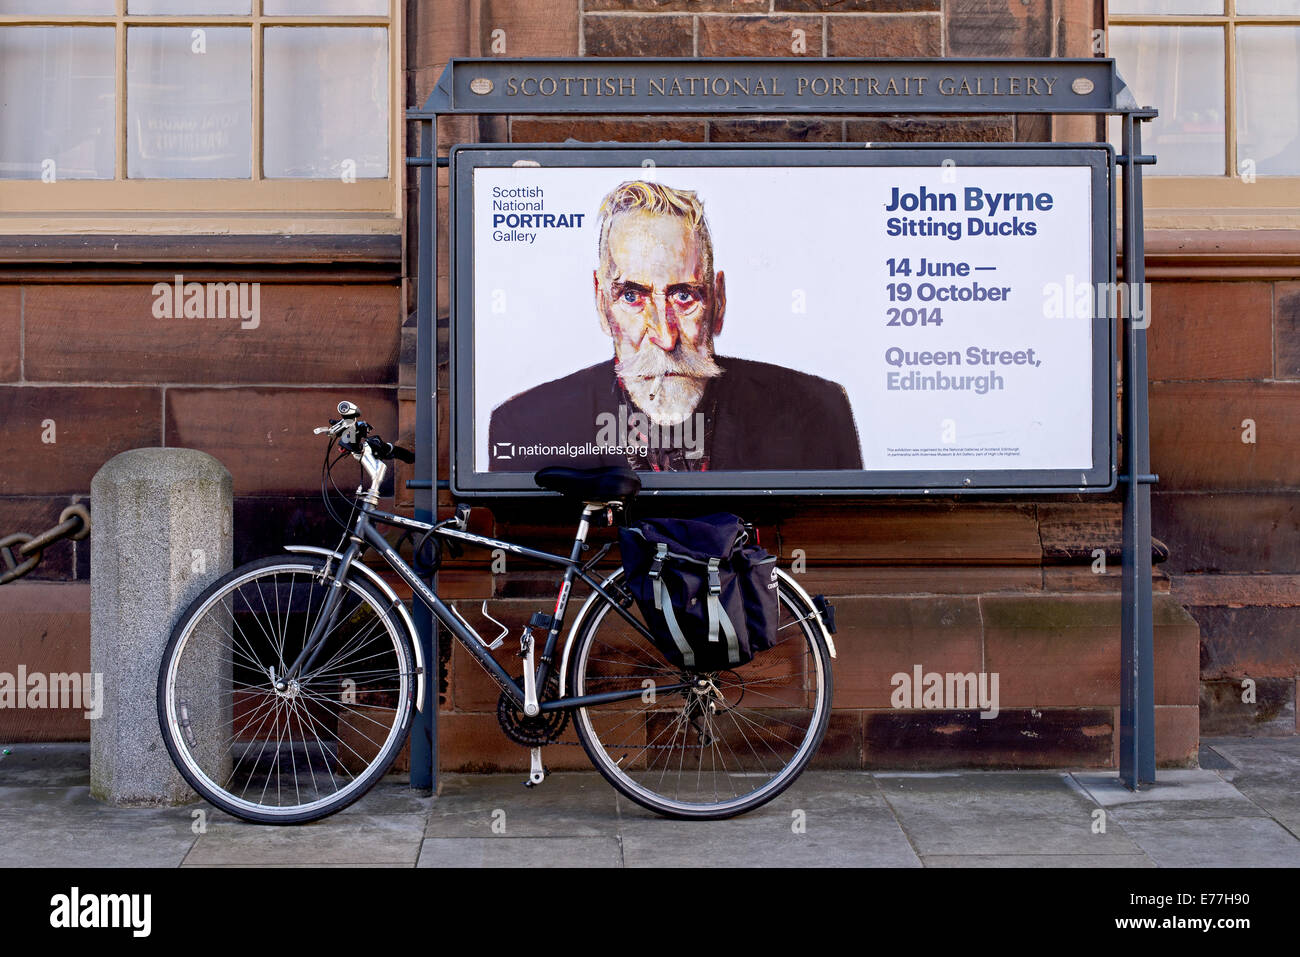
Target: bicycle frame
(364, 535)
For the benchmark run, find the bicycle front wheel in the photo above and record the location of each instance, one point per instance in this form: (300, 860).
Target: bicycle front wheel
(276, 751)
(731, 742)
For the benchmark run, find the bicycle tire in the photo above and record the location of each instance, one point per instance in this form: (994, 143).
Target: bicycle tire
(215, 697)
(626, 657)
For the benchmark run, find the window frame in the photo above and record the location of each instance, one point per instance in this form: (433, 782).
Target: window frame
(1217, 200)
(256, 204)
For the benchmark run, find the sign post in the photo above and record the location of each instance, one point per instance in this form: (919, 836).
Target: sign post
(968, 289)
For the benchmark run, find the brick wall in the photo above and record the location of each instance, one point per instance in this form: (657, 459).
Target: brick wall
(1225, 404)
(87, 370)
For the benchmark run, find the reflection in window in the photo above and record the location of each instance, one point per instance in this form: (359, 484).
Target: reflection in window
(1178, 70)
(1167, 7)
(56, 87)
(298, 8)
(191, 7)
(189, 103)
(1268, 84)
(93, 8)
(326, 102)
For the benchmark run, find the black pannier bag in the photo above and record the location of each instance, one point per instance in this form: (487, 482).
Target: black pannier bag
(708, 595)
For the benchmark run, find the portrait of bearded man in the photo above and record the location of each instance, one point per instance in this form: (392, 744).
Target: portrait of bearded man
(665, 400)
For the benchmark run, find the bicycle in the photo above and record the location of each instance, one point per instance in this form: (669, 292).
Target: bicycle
(288, 686)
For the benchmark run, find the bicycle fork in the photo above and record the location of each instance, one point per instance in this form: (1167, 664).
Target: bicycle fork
(325, 622)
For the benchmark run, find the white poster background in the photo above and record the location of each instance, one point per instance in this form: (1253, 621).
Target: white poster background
(804, 253)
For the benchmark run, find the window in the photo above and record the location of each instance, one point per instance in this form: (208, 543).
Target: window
(1225, 75)
(155, 109)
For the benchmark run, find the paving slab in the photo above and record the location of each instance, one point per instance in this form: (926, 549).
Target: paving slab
(1267, 771)
(363, 839)
(1038, 860)
(51, 765)
(826, 819)
(521, 852)
(66, 827)
(579, 804)
(1183, 793)
(998, 813)
(1216, 842)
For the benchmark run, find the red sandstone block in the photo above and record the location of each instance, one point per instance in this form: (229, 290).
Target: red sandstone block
(46, 629)
(776, 129)
(1287, 330)
(837, 580)
(264, 436)
(857, 6)
(980, 28)
(60, 436)
(476, 743)
(881, 637)
(1197, 430)
(638, 35)
(1210, 330)
(885, 36)
(765, 36)
(676, 6)
(1178, 738)
(11, 315)
(592, 129)
(119, 338)
(1221, 532)
(514, 28)
(1019, 738)
(932, 129)
(966, 533)
(1064, 650)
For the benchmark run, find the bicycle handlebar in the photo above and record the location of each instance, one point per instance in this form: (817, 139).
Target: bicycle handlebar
(354, 434)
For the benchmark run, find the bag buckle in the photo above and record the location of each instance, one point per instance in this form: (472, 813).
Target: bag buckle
(715, 580)
(657, 566)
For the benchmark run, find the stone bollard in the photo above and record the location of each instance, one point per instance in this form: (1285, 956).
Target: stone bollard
(163, 533)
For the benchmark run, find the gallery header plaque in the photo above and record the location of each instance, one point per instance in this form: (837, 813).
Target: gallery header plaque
(793, 320)
(784, 84)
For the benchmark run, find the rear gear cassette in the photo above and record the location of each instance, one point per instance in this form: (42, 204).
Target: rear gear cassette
(538, 731)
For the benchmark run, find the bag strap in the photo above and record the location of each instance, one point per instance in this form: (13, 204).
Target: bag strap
(664, 603)
(718, 615)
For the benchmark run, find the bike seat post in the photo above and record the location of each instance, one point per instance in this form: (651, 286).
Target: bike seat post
(584, 525)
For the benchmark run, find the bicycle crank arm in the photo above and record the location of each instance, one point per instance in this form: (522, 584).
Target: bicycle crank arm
(536, 773)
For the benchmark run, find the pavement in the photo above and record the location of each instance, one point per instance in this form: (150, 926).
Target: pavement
(1241, 808)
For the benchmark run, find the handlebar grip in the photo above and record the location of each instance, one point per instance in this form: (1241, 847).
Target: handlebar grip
(387, 450)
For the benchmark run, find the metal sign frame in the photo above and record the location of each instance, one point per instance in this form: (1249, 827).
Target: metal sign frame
(1098, 158)
(824, 86)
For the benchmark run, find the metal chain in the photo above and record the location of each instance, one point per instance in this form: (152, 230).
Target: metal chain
(20, 552)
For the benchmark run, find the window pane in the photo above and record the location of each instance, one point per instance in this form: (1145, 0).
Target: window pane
(189, 103)
(1179, 71)
(1195, 7)
(1276, 7)
(56, 103)
(355, 8)
(326, 109)
(190, 7)
(96, 8)
(1267, 101)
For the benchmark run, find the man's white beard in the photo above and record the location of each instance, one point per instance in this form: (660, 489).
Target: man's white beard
(667, 388)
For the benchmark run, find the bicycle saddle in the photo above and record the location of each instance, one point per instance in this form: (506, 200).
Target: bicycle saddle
(608, 484)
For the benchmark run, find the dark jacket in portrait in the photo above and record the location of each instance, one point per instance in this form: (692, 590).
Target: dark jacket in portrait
(756, 416)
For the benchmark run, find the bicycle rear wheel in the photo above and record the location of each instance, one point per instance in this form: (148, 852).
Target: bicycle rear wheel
(730, 743)
(308, 750)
